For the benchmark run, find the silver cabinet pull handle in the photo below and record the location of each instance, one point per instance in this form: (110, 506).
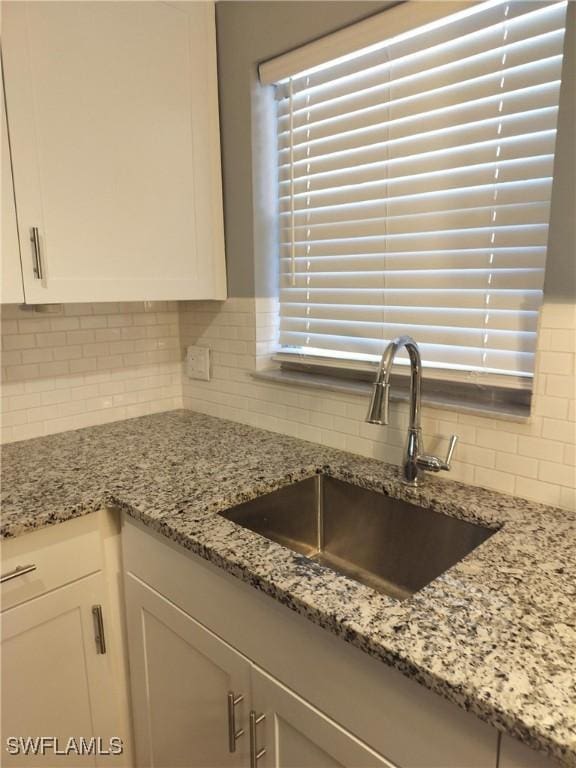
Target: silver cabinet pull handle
(255, 753)
(99, 636)
(233, 734)
(36, 253)
(20, 570)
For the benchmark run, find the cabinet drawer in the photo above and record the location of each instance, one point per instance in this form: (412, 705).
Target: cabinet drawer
(60, 553)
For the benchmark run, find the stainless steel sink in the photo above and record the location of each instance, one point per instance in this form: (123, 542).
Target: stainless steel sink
(390, 545)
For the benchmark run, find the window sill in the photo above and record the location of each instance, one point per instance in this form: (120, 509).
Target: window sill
(496, 408)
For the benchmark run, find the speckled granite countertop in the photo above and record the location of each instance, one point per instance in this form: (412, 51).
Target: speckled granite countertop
(496, 634)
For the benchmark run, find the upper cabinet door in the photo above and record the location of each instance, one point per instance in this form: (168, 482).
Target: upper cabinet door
(11, 285)
(113, 118)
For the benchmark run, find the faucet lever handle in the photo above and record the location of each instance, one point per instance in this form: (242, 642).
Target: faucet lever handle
(451, 449)
(434, 463)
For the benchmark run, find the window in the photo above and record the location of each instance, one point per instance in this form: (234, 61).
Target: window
(415, 160)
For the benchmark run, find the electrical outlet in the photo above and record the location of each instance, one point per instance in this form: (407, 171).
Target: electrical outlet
(198, 363)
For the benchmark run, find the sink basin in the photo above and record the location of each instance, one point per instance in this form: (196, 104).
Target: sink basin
(390, 545)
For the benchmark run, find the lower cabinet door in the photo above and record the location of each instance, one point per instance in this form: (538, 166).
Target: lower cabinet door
(293, 734)
(182, 676)
(58, 700)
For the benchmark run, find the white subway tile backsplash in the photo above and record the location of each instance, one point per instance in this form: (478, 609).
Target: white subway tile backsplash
(476, 455)
(498, 439)
(554, 362)
(83, 366)
(20, 372)
(556, 429)
(87, 364)
(552, 407)
(26, 326)
(64, 323)
(559, 316)
(559, 474)
(492, 478)
(562, 340)
(514, 464)
(9, 326)
(547, 493)
(36, 356)
(567, 498)
(19, 341)
(92, 322)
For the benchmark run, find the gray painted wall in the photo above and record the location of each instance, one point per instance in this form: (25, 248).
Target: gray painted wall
(560, 283)
(248, 33)
(251, 32)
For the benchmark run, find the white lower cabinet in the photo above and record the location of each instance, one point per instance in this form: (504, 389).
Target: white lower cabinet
(183, 676)
(63, 674)
(56, 682)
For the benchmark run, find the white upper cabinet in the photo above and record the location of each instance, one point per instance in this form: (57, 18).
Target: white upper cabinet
(113, 118)
(11, 285)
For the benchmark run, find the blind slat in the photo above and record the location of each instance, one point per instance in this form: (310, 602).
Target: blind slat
(501, 319)
(455, 298)
(512, 341)
(479, 259)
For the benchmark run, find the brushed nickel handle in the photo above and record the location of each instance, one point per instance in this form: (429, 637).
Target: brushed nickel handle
(233, 734)
(36, 253)
(99, 636)
(20, 570)
(255, 753)
(451, 447)
(433, 463)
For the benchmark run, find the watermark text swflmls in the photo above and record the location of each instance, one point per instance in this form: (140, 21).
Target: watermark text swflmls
(74, 745)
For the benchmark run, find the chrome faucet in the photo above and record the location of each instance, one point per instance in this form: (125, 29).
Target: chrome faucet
(378, 411)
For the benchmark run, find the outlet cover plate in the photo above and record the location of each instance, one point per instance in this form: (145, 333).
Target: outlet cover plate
(198, 363)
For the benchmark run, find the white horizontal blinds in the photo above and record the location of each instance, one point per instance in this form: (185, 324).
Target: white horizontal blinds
(415, 181)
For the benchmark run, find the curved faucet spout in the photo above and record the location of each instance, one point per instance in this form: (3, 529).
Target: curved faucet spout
(414, 459)
(378, 412)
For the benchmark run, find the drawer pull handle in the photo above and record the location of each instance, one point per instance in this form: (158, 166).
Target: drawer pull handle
(20, 570)
(233, 734)
(255, 753)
